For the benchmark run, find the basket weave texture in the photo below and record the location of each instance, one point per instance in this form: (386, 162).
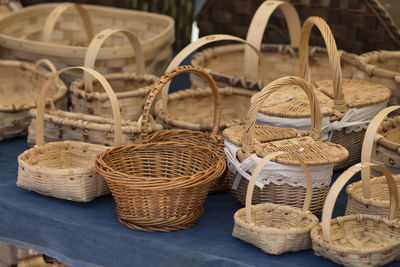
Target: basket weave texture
(19, 92)
(65, 169)
(358, 239)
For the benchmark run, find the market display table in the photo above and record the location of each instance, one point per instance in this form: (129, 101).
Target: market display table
(89, 234)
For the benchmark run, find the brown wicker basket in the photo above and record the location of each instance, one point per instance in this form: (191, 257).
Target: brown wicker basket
(65, 169)
(267, 139)
(226, 63)
(19, 90)
(54, 31)
(358, 239)
(132, 88)
(275, 228)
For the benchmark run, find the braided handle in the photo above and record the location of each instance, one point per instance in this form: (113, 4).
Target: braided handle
(98, 41)
(259, 23)
(160, 84)
(334, 59)
(316, 115)
(55, 15)
(341, 182)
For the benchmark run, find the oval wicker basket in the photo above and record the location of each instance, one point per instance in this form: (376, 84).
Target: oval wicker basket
(253, 142)
(358, 239)
(54, 31)
(19, 90)
(65, 169)
(225, 63)
(371, 195)
(275, 228)
(381, 67)
(131, 90)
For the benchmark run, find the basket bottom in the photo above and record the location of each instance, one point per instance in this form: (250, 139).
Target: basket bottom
(161, 225)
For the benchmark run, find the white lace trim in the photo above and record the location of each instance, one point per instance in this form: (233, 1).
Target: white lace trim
(273, 172)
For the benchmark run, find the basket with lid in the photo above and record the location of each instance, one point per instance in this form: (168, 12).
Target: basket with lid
(371, 195)
(19, 90)
(65, 169)
(282, 181)
(54, 31)
(358, 239)
(225, 63)
(131, 88)
(275, 228)
(160, 185)
(347, 104)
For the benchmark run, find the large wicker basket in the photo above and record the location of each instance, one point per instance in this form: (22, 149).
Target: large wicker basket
(358, 239)
(65, 169)
(275, 228)
(131, 88)
(230, 64)
(54, 31)
(244, 146)
(19, 90)
(348, 104)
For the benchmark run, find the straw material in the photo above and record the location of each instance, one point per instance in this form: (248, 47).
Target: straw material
(65, 169)
(358, 239)
(61, 33)
(308, 148)
(19, 90)
(381, 67)
(275, 228)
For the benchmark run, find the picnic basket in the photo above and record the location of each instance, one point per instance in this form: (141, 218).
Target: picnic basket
(381, 67)
(225, 63)
(348, 104)
(54, 31)
(282, 181)
(65, 169)
(161, 185)
(371, 195)
(358, 239)
(21, 82)
(131, 88)
(275, 228)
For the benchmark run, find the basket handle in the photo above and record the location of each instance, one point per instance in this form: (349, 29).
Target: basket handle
(253, 73)
(97, 42)
(316, 115)
(334, 60)
(55, 15)
(254, 176)
(160, 84)
(107, 88)
(341, 182)
(368, 144)
(259, 23)
(47, 63)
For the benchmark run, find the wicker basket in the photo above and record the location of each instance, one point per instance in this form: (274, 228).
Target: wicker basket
(275, 228)
(7, 6)
(348, 104)
(358, 239)
(53, 31)
(21, 82)
(226, 63)
(130, 88)
(381, 67)
(278, 187)
(65, 169)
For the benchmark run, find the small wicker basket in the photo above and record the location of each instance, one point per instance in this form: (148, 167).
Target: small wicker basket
(358, 239)
(65, 169)
(21, 82)
(131, 88)
(275, 228)
(320, 156)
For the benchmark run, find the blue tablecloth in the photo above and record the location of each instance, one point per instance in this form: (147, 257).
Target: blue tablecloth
(89, 234)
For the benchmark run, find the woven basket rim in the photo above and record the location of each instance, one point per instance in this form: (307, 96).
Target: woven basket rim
(26, 66)
(365, 62)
